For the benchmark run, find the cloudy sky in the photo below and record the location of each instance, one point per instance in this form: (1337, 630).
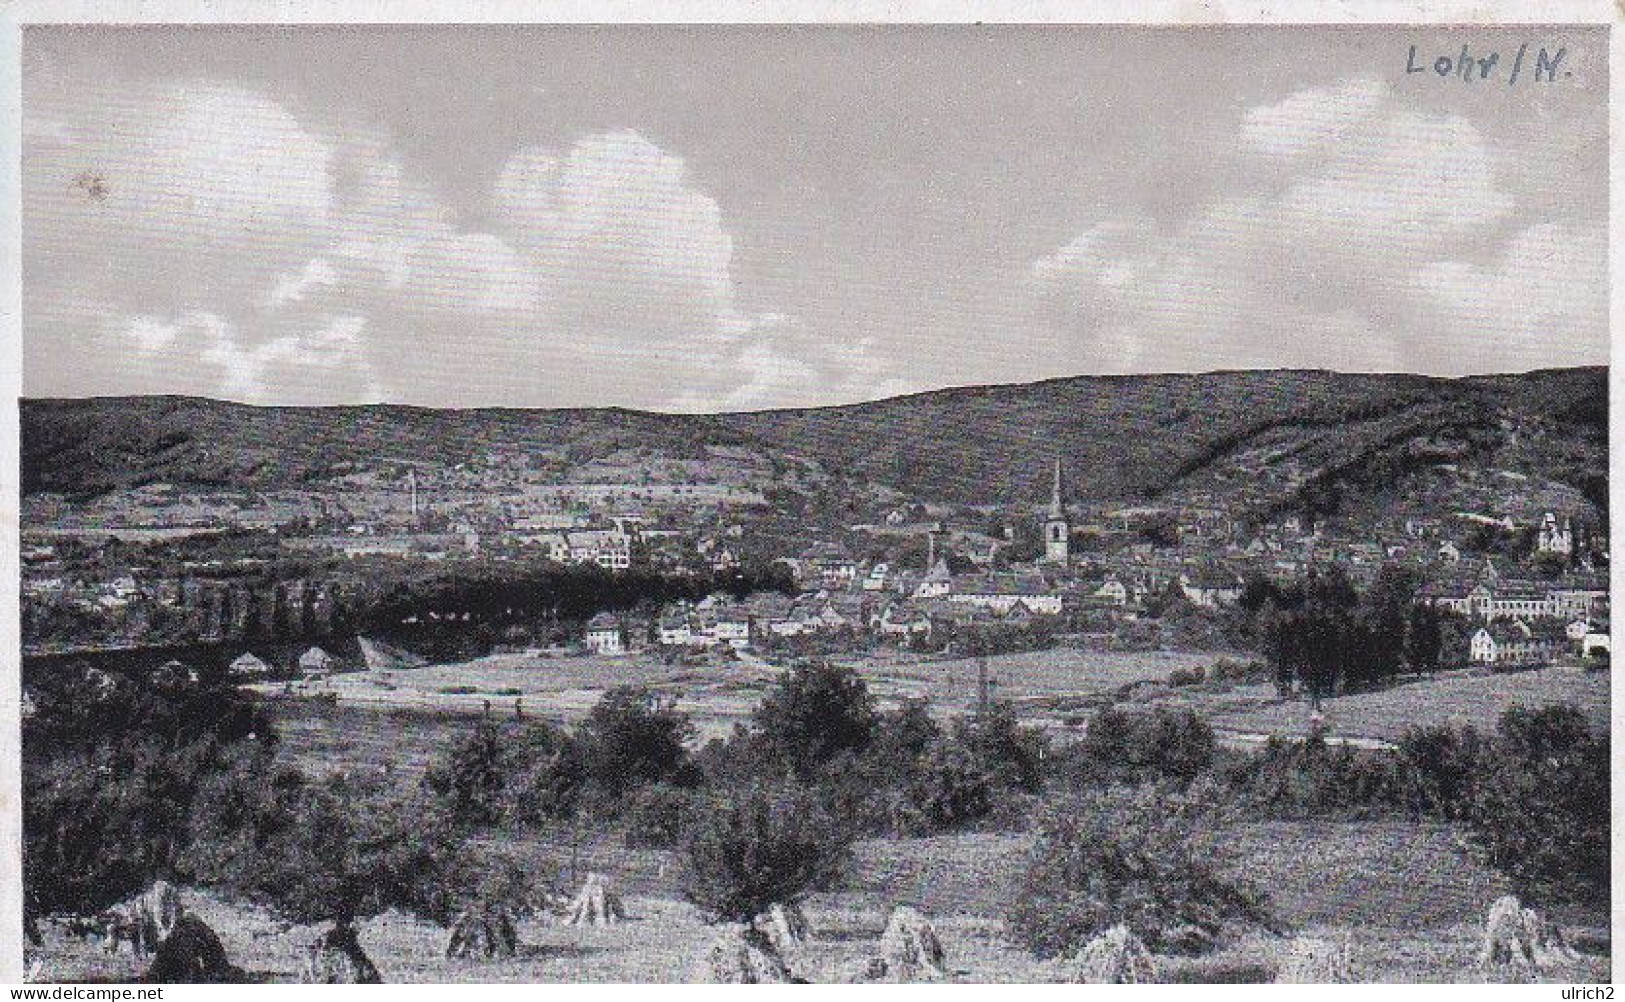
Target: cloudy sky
(731, 218)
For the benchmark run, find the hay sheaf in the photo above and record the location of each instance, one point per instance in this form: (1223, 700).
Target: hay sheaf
(1522, 937)
(1115, 957)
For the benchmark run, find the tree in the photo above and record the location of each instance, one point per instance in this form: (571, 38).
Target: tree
(1140, 856)
(816, 712)
(633, 738)
(1539, 809)
(505, 774)
(762, 847)
(113, 766)
(471, 779)
(1424, 639)
(335, 851)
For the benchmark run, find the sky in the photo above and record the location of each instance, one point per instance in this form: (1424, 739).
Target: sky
(729, 218)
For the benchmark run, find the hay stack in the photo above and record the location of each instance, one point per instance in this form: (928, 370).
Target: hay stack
(596, 904)
(336, 958)
(483, 931)
(909, 951)
(191, 954)
(1311, 961)
(1521, 937)
(786, 927)
(1115, 957)
(742, 955)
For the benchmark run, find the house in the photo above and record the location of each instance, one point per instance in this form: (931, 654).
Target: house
(903, 622)
(317, 663)
(1210, 589)
(1595, 642)
(675, 627)
(732, 628)
(937, 583)
(1512, 643)
(827, 565)
(1555, 538)
(608, 548)
(878, 578)
(247, 666)
(1112, 590)
(553, 544)
(1002, 593)
(605, 634)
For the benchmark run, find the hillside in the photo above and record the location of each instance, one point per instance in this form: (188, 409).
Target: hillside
(1274, 434)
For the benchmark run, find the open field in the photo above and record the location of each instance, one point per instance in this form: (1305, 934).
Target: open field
(1409, 902)
(396, 719)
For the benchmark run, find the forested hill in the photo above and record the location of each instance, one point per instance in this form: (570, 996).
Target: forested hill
(1121, 436)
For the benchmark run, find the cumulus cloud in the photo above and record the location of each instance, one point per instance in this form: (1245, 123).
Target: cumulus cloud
(299, 260)
(1366, 236)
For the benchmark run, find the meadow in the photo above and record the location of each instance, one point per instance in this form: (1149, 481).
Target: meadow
(396, 719)
(1405, 897)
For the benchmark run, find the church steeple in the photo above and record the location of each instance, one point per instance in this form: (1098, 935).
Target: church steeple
(1057, 531)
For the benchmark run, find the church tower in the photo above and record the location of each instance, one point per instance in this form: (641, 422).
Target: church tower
(1057, 531)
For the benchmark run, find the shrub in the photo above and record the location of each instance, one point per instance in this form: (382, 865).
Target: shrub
(633, 738)
(113, 766)
(1187, 676)
(1437, 768)
(816, 712)
(1013, 755)
(656, 816)
(766, 846)
(507, 773)
(1126, 747)
(1145, 856)
(1312, 779)
(1539, 810)
(949, 788)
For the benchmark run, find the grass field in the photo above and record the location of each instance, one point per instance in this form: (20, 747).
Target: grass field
(1407, 900)
(398, 718)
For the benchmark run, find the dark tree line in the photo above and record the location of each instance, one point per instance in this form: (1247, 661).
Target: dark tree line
(1323, 636)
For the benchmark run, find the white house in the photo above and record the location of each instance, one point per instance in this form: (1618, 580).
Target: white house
(605, 634)
(1112, 590)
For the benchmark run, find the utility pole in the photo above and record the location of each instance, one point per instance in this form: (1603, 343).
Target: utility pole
(982, 685)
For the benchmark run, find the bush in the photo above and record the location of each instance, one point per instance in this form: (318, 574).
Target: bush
(949, 788)
(507, 773)
(1143, 856)
(113, 766)
(1013, 755)
(767, 846)
(816, 712)
(1312, 779)
(633, 738)
(1539, 809)
(656, 816)
(1438, 766)
(1125, 747)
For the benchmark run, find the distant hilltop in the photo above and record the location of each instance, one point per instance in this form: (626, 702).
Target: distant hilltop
(1276, 434)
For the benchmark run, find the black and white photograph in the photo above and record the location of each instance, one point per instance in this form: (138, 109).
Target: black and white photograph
(813, 502)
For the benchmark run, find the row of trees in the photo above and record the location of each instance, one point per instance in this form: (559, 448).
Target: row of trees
(1323, 636)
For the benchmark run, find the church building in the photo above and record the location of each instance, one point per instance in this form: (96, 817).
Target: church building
(1057, 531)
